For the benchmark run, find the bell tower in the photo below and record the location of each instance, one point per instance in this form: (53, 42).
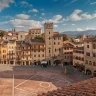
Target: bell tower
(48, 29)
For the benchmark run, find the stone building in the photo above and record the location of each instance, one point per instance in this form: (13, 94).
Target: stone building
(67, 53)
(29, 52)
(11, 50)
(78, 58)
(22, 35)
(3, 53)
(53, 43)
(90, 56)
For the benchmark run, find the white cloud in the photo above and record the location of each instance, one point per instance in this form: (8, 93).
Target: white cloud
(87, 28)
(43, 14)
(73, 24)
(93, 3)
(55, 26)
(74, 16)
(24, 3)
(55, 19)
(79, 29)
(26, 23)
(5, 4)
(22, 16)
(33, 10)
(79, 15)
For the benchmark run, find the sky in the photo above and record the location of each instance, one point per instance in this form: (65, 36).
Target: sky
(67, 15)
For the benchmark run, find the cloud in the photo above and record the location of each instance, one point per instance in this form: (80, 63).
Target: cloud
(33, 10)
(24, 3)
(93, 3)
(74, 16)
(5, 4)
(87, 28)
(73, 24)
(43, 14)
(73, 1)
(79, 15)
(79, 29)
(55, 26)
(22, 16)
(55, 19)
(26, 23)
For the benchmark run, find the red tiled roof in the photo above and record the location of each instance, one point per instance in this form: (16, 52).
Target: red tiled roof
(83, 88)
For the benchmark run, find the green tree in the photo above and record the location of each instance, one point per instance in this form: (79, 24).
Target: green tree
(65, 38)
(39, 37)
(2, 33)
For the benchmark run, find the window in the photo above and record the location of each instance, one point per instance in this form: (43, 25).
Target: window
(87, 46)
(94, 46)
(43, 55)
(59, 49)
(21, 36)
(34, 55)
(49, 51)
(87, 54)
(58, 43)
(86, 62)
(38, 55)
(4, 51)
(94, 55)
(55, 50)
(54, 43)
(49, 38)
(49, 32)
(90, 63)
(94, 64)
(4, 56)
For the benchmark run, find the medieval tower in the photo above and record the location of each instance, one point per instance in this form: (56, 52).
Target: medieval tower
(48, 29)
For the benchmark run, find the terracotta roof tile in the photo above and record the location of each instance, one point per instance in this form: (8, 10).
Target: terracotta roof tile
(83, 88)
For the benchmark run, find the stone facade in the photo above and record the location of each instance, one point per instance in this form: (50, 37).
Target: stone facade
(90, 56)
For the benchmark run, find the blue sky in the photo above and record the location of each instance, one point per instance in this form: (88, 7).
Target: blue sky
(67, 15)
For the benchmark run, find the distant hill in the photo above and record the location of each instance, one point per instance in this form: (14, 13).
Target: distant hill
(76, 33)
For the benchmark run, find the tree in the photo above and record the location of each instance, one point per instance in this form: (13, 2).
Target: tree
(2, 33)
(65, 37)
(39, 37)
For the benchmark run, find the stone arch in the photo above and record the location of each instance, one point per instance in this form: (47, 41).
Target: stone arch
(57, 61)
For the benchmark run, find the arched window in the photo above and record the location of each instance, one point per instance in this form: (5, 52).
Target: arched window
(86, 61)
(90, 63)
